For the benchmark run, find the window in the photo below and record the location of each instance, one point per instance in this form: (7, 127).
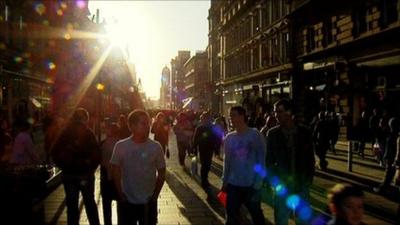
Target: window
(360, 21)
(310, 39)
(265, 53)
(327, 31)
(256, 21)
(389, 12)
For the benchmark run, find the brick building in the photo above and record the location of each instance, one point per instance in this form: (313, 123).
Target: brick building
(249, 50)
(196, 83)
(347, 57)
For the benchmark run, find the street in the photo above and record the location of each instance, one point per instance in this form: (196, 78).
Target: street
(183, 201)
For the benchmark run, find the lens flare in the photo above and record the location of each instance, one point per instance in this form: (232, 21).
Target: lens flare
(293, 201)
(305, 212)
(281, 190)
(40, 9)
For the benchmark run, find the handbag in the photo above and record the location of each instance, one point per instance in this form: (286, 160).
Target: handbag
(221, 196)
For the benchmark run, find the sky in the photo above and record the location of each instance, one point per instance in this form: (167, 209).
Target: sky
(154, 32)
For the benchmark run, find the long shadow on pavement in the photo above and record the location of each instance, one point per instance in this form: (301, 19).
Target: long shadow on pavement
(194, 208)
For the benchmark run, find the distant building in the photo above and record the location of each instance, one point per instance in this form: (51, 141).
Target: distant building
(165, 89)
(196, 83)
(177, 79)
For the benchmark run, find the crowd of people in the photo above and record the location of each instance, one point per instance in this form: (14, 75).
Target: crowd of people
(275, 152)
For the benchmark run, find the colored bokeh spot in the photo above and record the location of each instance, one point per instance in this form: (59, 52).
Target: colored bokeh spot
(305, 213)
(17, 59)
(281, 190)
(274, 181)
(293, 201)
(40, 9)
(81, 4)
(51, 65)
(60, 12)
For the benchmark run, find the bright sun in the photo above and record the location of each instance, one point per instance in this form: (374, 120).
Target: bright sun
(118, 35)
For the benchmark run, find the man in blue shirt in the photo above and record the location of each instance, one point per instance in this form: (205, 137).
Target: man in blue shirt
(243, 169)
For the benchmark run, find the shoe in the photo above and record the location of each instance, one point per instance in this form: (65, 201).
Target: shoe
(379, 190)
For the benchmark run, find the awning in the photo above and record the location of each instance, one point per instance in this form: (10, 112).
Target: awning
(388, 61)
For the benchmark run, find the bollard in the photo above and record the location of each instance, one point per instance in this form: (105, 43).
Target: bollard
(350, 156)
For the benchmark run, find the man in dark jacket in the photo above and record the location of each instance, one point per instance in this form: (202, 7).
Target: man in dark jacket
(289, 161)
(77, 153)
(207, 141)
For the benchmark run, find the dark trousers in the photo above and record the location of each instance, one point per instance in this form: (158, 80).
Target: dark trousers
(251, 198)
(74, 184)
(320, 150)
(183, 147)
(108, 194)
(130, 214)
(205, 161)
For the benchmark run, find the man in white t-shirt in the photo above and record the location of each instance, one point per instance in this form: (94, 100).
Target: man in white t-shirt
(139, 172)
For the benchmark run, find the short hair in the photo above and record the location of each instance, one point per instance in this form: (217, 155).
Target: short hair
(135, 116)
(286, 103)
(338, 193)
(159, 115)
(240, 110)
(80, 115)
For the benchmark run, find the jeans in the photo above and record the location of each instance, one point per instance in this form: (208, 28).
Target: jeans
(250, 197)
(108, 194)
(145, 214)
(205, 161)
(73, 184)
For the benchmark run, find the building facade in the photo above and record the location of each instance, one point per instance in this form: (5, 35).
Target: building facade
(177, 79)
(249, 50)
(165, 89)
(197, 86)
(347, 57)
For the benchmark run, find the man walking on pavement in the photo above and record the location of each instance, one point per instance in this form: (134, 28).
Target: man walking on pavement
(78, 154)
(207, 141)
(290, 157)
(138, 167)
(243, 169)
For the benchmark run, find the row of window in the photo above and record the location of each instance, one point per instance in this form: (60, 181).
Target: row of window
(362, 18)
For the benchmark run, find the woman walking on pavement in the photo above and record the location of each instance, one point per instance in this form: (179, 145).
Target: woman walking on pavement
(160, 129)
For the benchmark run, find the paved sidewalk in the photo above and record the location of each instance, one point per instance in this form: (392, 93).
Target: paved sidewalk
(182, 201)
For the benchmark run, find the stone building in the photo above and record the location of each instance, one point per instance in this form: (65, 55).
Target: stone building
(250, 53)
(196, 83)
(347, 57)
(177, 79)
(165, 89)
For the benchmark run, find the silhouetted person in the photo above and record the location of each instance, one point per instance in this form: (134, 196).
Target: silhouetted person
(206, 140)
(138, 167)
(160, 129)
(77, 153)
(290, 158)
(108, 192)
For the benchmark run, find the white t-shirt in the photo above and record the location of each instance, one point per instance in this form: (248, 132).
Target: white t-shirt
(139, 163)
